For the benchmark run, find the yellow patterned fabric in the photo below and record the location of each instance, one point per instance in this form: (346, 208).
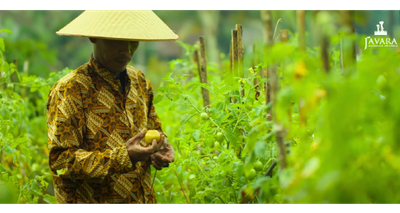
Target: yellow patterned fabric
(89, 120)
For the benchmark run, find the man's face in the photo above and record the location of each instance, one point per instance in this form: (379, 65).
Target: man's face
(114, 54)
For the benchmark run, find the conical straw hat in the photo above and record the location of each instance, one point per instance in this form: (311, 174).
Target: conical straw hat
(130, 25)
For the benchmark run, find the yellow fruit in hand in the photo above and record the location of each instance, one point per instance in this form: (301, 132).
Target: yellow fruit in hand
(151, 135)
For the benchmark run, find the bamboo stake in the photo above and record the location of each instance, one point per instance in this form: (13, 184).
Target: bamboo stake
(240, 50)
(315, 30)
(256, 81)
(236, 61)
(348, 54)
(234, 58)
(323, 41)
(234, 49)
(274, 82)
(203, 70)
(266, 18)
(240, 54)
(301, 28)
(324, 52)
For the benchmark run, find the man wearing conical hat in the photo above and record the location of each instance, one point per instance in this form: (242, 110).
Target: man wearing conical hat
(98, 115)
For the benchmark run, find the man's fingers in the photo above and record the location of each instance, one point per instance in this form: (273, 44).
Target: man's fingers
(140, 135)
(156, 145)
(158, 167)
(161, 161)
(153, 148)
(137, 138)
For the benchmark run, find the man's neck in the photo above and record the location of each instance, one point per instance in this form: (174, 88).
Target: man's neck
(118, 75)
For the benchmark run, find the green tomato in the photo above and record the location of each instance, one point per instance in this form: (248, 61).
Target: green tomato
(217, 145)
(251, 174)
(258, 166)
(220, 137)
(10, 86)
(381, 81)
(204, 116)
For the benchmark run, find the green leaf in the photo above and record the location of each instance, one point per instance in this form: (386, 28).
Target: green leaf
(236, 105)
(260, 148)
(233, 136)
(260, 182)
(5, 31)
(50, 199)
(196, 135)
(311, 166)
(221, 158)
(8, 150)
(2, 46)
(6, 67)
(25, 151)
(157, 99)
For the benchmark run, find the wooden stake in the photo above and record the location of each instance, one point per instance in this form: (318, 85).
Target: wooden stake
(235, 57)
(255, 62)
(348, 54)
(203, 70)
(322, 39)
(266, 18)
(324, 52)
(273, 79)
(301, 29)
(240, 50)
(284, 35)
(240, 54)
(236, 60)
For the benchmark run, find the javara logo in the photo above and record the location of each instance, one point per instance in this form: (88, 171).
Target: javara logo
(380, 41)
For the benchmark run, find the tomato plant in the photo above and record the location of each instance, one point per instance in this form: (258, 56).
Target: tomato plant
(24, 168)
(334, 125)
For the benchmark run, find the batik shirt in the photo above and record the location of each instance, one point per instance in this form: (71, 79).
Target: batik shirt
(89, 120)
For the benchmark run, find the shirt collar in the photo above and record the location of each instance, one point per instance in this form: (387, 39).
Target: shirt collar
(106, 74)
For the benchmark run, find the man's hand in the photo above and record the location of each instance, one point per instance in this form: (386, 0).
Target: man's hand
(163, 157)
(139, 153)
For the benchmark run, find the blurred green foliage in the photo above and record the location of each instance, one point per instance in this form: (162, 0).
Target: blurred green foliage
(35, 48)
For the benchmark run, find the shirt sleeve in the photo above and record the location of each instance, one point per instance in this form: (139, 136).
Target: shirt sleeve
(153, 121)
(66, 129)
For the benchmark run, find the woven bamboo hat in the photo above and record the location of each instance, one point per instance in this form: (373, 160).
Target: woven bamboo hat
(129, 25)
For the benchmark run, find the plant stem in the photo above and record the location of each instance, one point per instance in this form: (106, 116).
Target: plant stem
(270, 169)
(191, 103)
(187, 98)
(152, 183)
(183, 191)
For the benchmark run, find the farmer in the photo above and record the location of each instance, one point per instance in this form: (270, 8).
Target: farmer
(98, 115)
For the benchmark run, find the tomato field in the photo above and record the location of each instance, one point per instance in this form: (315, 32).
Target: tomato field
(283, 122)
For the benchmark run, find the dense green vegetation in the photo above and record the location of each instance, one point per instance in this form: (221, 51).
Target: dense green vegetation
(340, 126)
